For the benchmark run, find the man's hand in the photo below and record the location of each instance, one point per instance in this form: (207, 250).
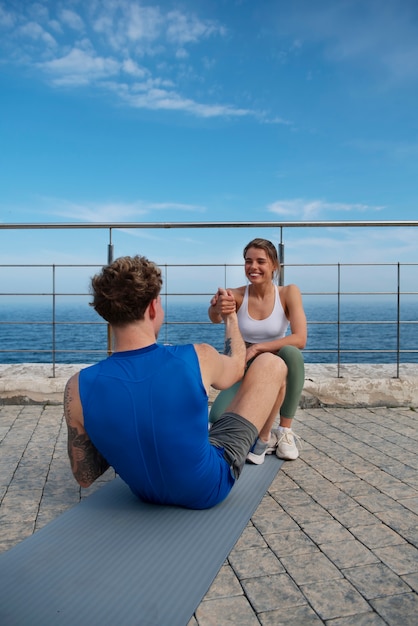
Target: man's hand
(224, 302)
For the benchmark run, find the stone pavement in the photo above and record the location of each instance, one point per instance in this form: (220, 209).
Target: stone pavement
(334, 541)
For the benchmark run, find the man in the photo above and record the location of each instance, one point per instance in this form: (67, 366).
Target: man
(144, 409)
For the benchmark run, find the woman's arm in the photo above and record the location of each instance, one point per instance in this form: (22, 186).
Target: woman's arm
(293, 307)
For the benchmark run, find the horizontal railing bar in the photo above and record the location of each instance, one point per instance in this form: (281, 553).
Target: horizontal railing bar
(169, 265)
(314, 350)
(177, 225)
(202, 322)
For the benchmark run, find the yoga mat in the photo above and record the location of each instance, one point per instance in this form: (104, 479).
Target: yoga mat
(113, 559)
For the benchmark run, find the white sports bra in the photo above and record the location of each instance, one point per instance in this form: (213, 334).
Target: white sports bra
(259, 331)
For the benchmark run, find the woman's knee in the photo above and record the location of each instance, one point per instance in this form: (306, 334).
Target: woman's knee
(291, 355)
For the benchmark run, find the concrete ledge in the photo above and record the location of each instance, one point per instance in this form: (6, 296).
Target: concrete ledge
(358, 385)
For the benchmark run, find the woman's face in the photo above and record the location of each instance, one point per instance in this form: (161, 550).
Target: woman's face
(258, 266)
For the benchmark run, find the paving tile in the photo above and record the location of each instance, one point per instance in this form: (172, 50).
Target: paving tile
(348, 553)
(353, 516)
(255, 562)
(402, 559)
(226, 584)
(375, 500)
(296, 615)
(290, 543)
(333, 497)
(250, 538)
(269, 593)
(399, 490)
(335, 598)
(326, 532)
(411, 580)
(309, 568)
(362, 619)
(357, 487)
(398, 518)
(236, 610)
(410, 503)
(375, 535)
(399, 610)
(305, 514)
(291, 497)
(411, 535)
(400, 470)
(282, 483)
(375, 580)
(272, 518)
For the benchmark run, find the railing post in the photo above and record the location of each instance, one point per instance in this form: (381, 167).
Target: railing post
(398, 322)
(280, 253)
(339, 321)
(109, 261)
(53, 322)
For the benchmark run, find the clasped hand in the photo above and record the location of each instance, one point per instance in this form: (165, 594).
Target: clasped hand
(223, 302)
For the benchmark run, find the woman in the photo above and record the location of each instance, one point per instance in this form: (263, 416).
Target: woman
(265, 312)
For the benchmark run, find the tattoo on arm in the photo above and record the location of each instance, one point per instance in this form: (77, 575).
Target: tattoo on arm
(228, 346)
(87, 463)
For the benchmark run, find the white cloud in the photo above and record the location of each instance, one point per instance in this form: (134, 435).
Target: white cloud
(79, 67)
(131, 67)
(153, 95)
(123, 41)
(183, 29)
(110, 212)
(311, 209)
(72, 19)
(132, 24)
(36, 32)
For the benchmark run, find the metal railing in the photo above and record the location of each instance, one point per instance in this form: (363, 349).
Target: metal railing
(66, 340)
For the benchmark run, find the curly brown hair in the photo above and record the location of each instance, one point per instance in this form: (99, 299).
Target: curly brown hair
(123, 290)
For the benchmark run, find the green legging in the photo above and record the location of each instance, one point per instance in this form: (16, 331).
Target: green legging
(295, 380)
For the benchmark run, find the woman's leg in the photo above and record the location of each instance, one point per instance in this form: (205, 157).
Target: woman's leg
(294, 384)
(285, 444)
(221, 402)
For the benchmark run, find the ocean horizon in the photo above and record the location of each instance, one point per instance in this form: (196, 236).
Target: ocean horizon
(367, 333)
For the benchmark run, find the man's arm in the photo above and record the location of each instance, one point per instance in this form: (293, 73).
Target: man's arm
(87, 463)
(223, 370)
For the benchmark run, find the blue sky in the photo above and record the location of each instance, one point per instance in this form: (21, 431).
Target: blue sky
(209, 110)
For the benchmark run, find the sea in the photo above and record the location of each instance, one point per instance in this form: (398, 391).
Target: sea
(367, 332)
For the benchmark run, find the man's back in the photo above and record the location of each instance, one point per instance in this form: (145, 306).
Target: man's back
(146, 411)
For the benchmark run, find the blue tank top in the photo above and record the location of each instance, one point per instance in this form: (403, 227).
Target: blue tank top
(260, 331)
(146, 411)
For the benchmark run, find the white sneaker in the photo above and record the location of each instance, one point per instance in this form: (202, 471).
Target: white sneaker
(257, 453)
(273, 441)
(286, 445)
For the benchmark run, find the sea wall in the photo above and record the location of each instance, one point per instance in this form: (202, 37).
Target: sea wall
(356, 386)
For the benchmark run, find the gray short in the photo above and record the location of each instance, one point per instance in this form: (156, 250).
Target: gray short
(235, 435)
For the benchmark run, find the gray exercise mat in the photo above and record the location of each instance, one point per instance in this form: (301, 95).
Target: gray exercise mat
(115, 560)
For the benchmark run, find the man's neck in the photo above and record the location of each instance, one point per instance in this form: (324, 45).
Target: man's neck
(133, 337)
